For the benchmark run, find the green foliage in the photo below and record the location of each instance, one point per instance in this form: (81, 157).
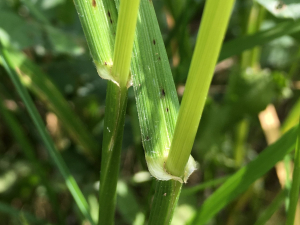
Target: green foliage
(52, 46)
(250, 91)
(56, 157)
(241, 180)
(40, 84)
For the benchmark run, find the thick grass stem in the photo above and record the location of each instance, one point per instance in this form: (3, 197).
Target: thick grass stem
(210, 37)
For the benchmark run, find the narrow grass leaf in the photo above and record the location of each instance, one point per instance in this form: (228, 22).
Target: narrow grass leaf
(38, 122)
(294, 193)
(203, 186)
(40, 84)
(238, 45)
(293, 117)
(157, 106)
(243, 178)
(19, 214)
(19, 134)
(99, 19)
(272, 208)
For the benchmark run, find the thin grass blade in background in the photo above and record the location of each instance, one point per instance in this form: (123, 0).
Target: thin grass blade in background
(294, 193)
(203, 186)
(19, 134)
(243, 178)
(53, 153)
(21, 215)
(292, 118)
(272, 208)
(39, 83)
(243, 43)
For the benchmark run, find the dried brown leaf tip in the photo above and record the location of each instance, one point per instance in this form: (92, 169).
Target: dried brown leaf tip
(94, 4)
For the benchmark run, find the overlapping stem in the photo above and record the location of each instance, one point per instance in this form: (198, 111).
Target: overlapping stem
(210, 37)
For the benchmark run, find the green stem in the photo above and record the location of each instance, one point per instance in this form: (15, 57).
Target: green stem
(294, 194)
(295, 65)
(124, 41)
(166, 196)
(288, 182)
(250, 58)
(212, 31)
(98, 19)
(115, 108)
(242, 130)
(38, 122)
(116, 102)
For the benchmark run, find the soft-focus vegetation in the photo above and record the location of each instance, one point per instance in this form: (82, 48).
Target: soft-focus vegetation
(53, 104)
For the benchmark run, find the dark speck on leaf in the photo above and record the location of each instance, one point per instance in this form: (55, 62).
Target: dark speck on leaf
(108, 14)
(163, 93)
(167, 109)
(111, 21)
(280, 5)
(154, 41)
(105, 63)
(147, 138)
(94, 3)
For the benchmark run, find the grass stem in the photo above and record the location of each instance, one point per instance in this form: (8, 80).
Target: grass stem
(116, 102)
(210, 37)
